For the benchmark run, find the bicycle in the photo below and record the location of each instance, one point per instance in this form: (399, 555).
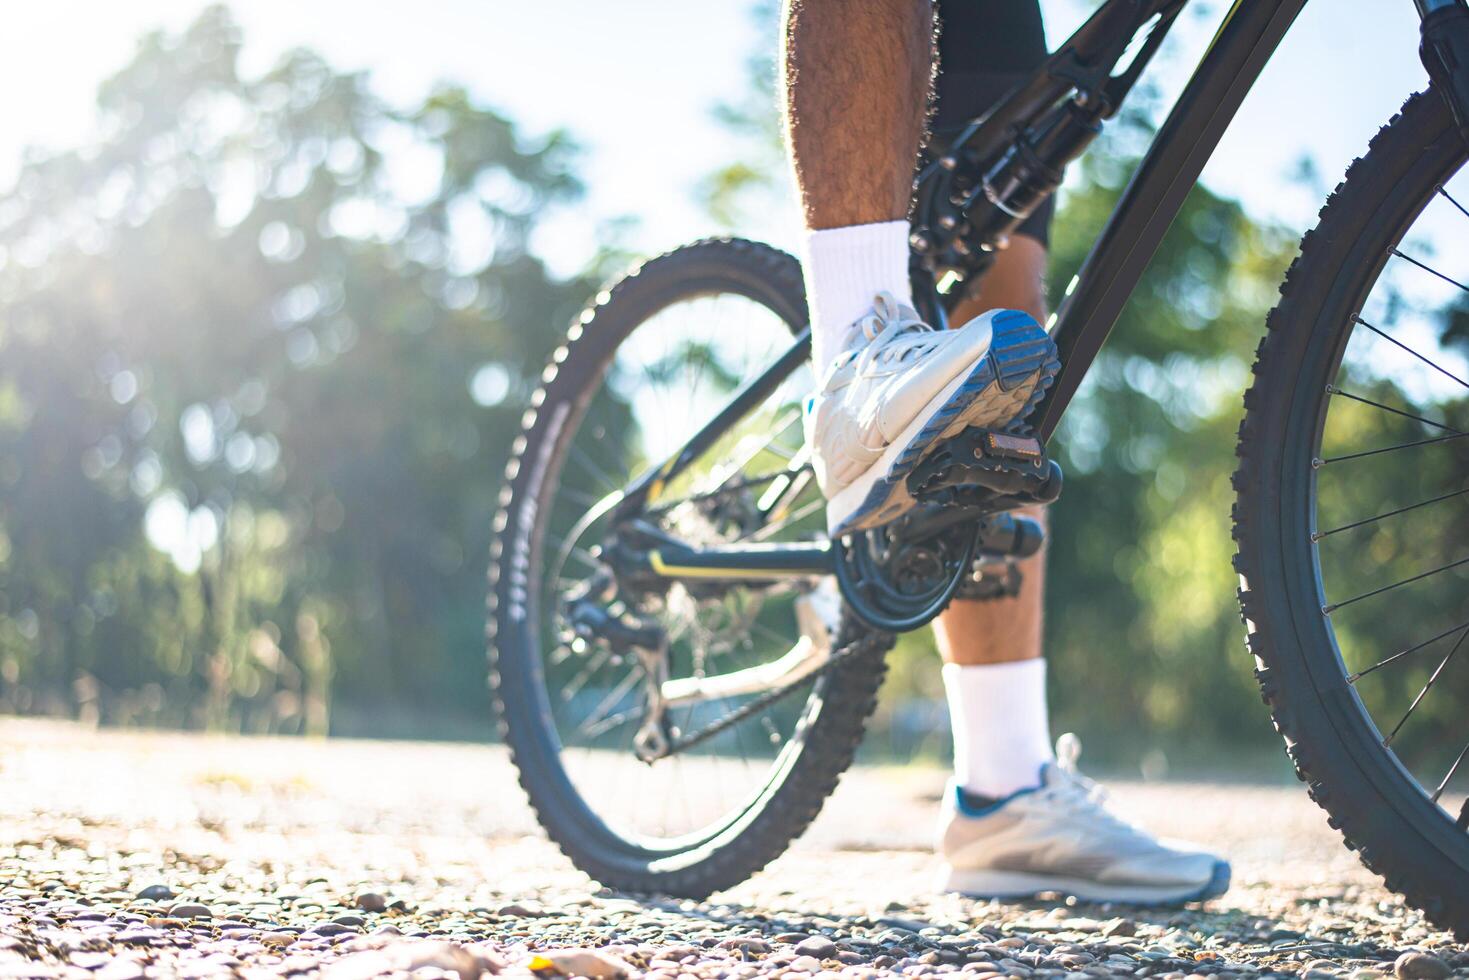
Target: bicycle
(678, 621)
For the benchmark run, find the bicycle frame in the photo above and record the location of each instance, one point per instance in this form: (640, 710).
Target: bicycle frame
(1094, 300)
(1247, 38)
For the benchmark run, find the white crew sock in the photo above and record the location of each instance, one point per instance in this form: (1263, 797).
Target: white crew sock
(1002, 734)
(845, 269)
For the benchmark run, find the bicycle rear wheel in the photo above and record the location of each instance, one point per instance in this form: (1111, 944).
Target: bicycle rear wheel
(1351, 517)
(642, 370)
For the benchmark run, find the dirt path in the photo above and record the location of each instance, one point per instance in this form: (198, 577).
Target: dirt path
(131, 855)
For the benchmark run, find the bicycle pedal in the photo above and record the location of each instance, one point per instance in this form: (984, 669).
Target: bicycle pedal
(1004, 445)
(1000, 579)
(988, 469)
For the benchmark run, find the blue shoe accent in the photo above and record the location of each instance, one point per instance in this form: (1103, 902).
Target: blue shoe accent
(968, 809)
(1020, 349)
(1217, 885)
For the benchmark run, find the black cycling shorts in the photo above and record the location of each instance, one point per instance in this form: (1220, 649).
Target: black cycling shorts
(986, 48)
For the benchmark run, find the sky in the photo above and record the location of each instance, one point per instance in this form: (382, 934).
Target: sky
(635, 82)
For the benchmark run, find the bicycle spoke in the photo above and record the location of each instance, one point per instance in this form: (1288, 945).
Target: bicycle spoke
(613, 698)
(1318, 535)
(1318, 463)
(1333, 607)
(1433, 679)
(1353, 678)
(576, 551)
(749, 453)
(579, 497)
(590, 465)
(744, 483)
(771, 634)
(1452, 769)
(607, 724)
(740, 734)
(1430, 269)
(1398, 343)
(1333, 390)
(800, 513)
(589, 669)
(1454, 202)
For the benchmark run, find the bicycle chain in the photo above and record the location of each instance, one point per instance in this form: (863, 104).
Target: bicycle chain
(868, 643)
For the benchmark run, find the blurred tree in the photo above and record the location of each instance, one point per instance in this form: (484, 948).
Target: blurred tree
(282, 332)
(1143, 628)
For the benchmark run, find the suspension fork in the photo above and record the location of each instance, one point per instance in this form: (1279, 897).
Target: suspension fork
(1444, 49)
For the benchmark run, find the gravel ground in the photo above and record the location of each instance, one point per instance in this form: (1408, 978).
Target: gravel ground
(125, 856)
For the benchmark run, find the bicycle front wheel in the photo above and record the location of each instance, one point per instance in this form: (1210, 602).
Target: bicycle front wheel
(1351, 518)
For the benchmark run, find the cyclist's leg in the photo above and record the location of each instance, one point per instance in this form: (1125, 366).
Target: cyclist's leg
(856, 84)
(995, 631)
(889, 390)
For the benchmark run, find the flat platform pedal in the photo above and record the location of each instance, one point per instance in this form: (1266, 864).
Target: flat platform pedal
(990, 470)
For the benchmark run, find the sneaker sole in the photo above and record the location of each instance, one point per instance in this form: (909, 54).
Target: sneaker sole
(1003, 386)
(1021, 885)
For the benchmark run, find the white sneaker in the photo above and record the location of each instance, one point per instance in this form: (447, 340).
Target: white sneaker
(1060, 837)
(899, 387)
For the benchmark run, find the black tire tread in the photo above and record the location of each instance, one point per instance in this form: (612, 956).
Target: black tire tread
(1392, 856)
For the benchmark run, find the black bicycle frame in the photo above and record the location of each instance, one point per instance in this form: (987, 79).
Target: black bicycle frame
(1229, 68)
(1249, 35)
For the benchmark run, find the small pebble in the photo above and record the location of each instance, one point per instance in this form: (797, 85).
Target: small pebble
(519, 911)
(190, 910)
(371, 902)
(590, 963)
(1420, 966)
(818, 946)
(332, 929)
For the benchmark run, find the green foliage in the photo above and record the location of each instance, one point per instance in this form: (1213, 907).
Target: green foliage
(248, 319)
(1142, 627)
(760, 171)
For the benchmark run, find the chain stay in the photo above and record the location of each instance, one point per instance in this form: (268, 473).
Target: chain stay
(868, 643)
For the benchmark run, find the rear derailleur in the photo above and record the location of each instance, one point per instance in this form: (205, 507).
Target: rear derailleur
(592, 616)
(960, 540)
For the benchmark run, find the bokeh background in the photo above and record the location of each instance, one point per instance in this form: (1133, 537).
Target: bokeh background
(276, 284)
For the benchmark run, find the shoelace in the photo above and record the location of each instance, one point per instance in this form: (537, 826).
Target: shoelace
(1073, 789)
(892, 332)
